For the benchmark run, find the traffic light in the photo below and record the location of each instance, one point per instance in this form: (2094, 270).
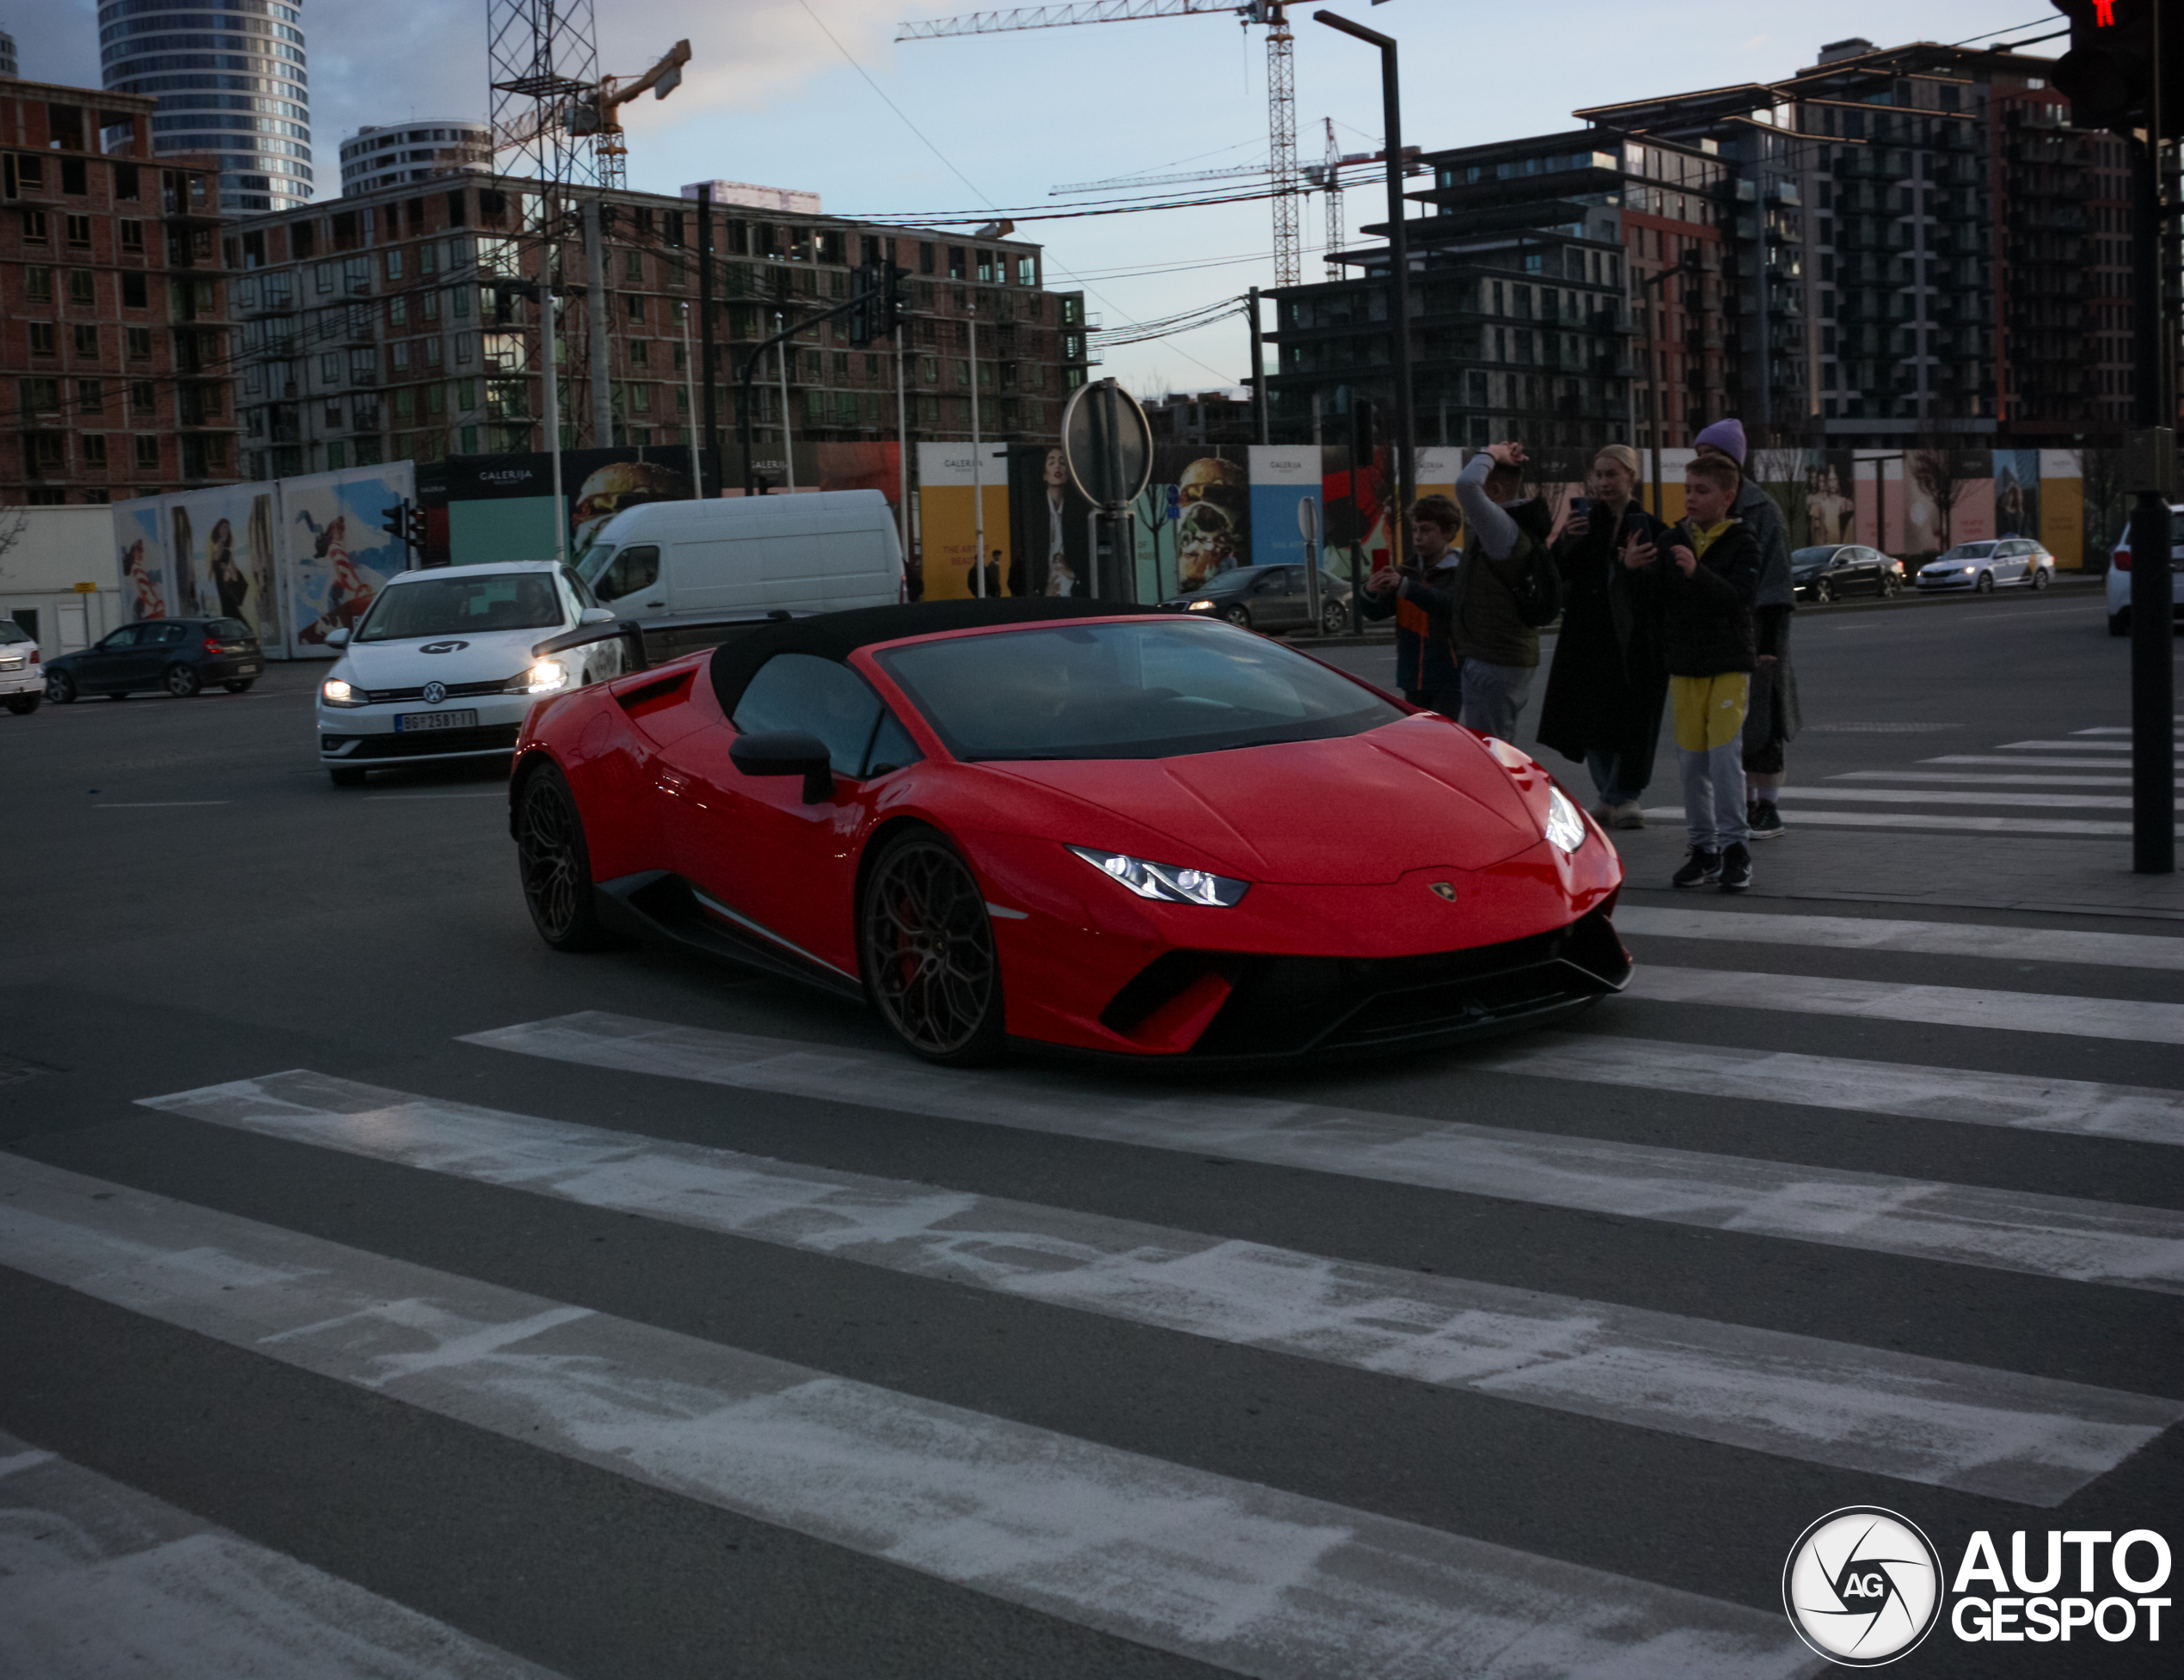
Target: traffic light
(393, 521)
(894, 297)
(2108, 73)
(864, 304)
(414, 528)
(1365, 430)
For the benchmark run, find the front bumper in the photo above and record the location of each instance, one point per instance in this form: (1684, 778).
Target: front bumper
(367, 734)
(1954, 581)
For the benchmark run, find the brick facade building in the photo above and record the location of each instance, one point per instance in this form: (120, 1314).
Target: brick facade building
(113, 304)
(404, 324)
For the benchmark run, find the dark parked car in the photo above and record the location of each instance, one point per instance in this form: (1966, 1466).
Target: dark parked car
(1270, 599)
(180, 655)
(1843, 569)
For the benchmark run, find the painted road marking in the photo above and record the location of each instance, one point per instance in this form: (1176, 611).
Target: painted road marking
(2072, 746)
(2044, 763)
(2139, 1247)
(2005, 780)
(155, 805)
(1957, 821)
(2086, 1107)
(103, 1580)
(1929, 1420)
(1952, 939)
(1246, 1576)
(1950, 796)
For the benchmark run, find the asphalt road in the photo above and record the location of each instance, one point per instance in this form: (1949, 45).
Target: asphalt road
(707, 1333)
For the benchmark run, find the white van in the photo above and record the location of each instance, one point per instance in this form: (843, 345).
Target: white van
(744, 557)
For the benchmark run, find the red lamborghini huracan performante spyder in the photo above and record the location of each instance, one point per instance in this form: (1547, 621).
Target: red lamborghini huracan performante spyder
(1056, 823)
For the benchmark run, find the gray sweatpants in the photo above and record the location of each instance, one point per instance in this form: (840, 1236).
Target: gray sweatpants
(1493, 695)
(1714, 796)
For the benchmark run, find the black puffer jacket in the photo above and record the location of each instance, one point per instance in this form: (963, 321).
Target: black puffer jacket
(1707, 618)
(1608, 680)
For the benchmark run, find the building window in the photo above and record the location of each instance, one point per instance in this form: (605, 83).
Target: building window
(640, 398)
(398, 355)
(329, 366)
(431, 353)
(90, 397)
(337, 456)
(406, 404)
(139, 344)
(38, 285)
(41, 396)
(87, 342)
(144, 397)
(135, 293)
(398, 311)
(394, 262)
(634, 304)
(322, 278)
(364, 365)
(640, 353)
(125, 183)
(79, 232)
(95, 450)
(147, 453)
(431, 302)
(633, 268)
(33, 221)
(470, 436)
(83, 288)
(1026, 270)
(132, 238)
(41, 338)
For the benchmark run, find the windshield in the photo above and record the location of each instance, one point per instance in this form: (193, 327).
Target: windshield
(1126, 690)
(1812, 556)
(458, 605)
(1970, 551)
(10, 631)
(594, 561)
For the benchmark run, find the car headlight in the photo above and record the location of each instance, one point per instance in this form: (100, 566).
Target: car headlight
(1564, 826)
(335, 692)
(1167, 883)
(547, 677)
(1200, 606)
(1968, 570)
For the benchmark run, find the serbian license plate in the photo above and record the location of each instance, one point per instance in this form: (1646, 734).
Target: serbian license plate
(409, 723)
(249, 669)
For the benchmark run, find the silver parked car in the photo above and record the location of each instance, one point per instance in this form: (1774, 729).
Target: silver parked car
(1994, 563)
(1268, 598)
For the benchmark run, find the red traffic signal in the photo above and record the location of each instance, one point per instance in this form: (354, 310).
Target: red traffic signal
(2108, 73)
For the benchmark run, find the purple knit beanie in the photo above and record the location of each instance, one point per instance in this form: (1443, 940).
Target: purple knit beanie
(1727, 436)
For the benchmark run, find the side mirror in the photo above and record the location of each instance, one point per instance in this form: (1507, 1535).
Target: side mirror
(788, 753)
(337, 638)
(595, 616)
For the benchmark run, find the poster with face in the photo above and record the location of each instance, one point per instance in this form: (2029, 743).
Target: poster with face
(334, 556)
(1193, 518)
(140, 548)
(1831, 509)
(225, 536)
(1051, 537)
(480, 509)
(2016, 477)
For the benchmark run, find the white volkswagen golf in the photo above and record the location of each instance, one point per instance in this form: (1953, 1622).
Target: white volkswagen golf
(442, 665)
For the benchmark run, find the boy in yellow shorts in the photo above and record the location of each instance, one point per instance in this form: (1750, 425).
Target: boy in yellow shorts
(1707, 590)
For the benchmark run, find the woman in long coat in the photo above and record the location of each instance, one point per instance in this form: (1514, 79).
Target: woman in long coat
(1609, 678)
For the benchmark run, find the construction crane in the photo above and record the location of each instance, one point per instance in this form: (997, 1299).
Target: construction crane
(598, 113)
(1281, 80)
(549, 97)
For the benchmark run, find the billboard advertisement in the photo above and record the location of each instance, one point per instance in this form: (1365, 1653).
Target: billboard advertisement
(948, 520)
(140, 552)
(334, 556)
(480, 509)
(221, 556)
(1051, 537)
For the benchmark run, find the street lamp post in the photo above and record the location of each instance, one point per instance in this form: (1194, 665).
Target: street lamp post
(1398, 278)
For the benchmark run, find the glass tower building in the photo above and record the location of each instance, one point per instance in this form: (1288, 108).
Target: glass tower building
(229, 78)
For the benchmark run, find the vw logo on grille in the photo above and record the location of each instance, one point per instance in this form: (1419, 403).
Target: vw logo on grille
(1444, 889)
(444, 647)
(434, 693)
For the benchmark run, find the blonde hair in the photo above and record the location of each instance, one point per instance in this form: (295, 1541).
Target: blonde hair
(1624, 455)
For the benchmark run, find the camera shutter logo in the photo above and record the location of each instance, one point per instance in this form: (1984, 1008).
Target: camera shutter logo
(434, 693)
(1862, 1586)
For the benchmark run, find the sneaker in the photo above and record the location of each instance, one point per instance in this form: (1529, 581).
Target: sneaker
(1700, 867)
(1736, 867)
(1765, 821)
(1601, 812)
(1627, 815)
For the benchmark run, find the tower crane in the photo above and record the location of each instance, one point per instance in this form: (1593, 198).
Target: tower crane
(1281, 79)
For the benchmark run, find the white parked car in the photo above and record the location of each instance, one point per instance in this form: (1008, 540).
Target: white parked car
(22, 680)
(442, 665)
(2004, 562)
(2119, 578)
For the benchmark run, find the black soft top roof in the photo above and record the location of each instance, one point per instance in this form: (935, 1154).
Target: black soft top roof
(835, 636)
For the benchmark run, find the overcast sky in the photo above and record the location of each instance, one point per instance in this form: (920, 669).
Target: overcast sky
(997, 120)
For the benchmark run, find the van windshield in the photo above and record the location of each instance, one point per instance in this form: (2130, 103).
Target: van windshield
(595, 562)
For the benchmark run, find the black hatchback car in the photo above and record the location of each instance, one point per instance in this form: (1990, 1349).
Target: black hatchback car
(180, 655)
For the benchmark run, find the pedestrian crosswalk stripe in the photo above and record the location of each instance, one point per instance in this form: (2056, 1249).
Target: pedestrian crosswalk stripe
(1247, 1577)
(1984, 780)
(1929, 1420)
(2088, 1108)
(1858, 933)
(2012, 797)
(102, 1579)
(1958, 821)
(1940, 1006)
(2054, 1236)
(2066, 746)
(2044, 763)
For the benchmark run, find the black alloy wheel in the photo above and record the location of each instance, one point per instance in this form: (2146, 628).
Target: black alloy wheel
(925, 943)
(181, 681)
(1822, 593)
(1986, 584)
(1238, 614)
(555, 865)
(1890, 583)
(60, 687)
